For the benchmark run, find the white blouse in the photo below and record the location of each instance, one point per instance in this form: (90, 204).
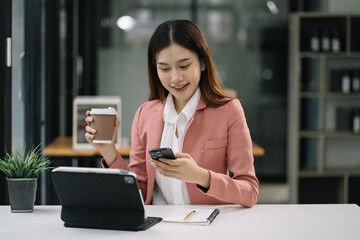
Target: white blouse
(170, 190)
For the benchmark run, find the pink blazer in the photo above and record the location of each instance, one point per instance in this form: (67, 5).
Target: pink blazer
(218, 139)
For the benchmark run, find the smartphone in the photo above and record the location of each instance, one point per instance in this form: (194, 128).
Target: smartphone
(157, 153)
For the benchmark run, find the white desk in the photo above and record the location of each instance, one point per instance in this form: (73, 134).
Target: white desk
(260, 222)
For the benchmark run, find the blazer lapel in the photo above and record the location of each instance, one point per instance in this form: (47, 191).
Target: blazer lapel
(157, 122)
(201, 105)
(153, 141)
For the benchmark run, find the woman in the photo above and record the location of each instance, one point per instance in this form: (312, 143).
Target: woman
(188, 112)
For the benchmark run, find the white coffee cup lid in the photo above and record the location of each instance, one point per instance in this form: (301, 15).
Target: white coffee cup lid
(104, 111)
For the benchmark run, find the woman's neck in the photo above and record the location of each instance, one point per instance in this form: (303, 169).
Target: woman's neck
(179, 105)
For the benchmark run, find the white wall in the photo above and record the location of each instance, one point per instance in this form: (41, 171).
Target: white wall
(342, 6)
(17, 101)
(120, 73)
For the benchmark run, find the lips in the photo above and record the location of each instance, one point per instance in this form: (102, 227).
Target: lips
(181, 88)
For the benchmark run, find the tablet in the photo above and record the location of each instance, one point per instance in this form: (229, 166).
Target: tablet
(101, 198)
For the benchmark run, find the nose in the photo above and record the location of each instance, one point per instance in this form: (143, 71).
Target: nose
(175, 76)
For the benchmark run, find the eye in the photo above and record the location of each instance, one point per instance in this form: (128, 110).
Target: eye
(185, 67)
(164, 69)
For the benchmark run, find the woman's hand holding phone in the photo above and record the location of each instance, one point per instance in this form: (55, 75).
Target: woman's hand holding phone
(183, 167)
(158, 153)
(108, 151)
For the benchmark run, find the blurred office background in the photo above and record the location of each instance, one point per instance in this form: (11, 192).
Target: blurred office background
(67, 48)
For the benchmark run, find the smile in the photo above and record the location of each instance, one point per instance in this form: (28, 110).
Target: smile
(181, 88)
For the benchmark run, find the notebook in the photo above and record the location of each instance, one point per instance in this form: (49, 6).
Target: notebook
(100, 198)
(201, 216)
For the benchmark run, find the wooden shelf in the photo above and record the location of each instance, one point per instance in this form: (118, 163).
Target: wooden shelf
(258, 151)
(62, 147)
(316, 102)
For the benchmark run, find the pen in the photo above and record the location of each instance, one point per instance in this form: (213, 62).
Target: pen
(213, 215)
(189, 215)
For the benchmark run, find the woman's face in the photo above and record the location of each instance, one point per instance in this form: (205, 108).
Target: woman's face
(179, 71)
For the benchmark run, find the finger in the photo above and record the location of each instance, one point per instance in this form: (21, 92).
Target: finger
(90, 129)
(182, 155)
(89, 137)
(89, 120)
(88, 113)
(164, 169)
(165, 172)
(168, 173)
(164, 165)
(171, 162)
(158, 164)
(117, 124)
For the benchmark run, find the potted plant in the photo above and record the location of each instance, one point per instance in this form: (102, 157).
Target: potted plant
(22, 171)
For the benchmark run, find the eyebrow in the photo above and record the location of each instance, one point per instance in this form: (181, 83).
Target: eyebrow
(180, 61)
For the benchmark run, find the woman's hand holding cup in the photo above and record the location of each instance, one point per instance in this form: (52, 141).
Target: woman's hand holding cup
(98, 134)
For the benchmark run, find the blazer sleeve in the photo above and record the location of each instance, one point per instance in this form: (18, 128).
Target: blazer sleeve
(243, 187)
(137, 156)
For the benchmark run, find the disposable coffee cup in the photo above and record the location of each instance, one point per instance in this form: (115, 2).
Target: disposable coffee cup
(104, 124)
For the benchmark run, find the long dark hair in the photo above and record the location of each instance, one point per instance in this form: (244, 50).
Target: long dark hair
(188, 35)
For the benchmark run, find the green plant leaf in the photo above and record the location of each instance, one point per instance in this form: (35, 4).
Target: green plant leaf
(24, 165)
